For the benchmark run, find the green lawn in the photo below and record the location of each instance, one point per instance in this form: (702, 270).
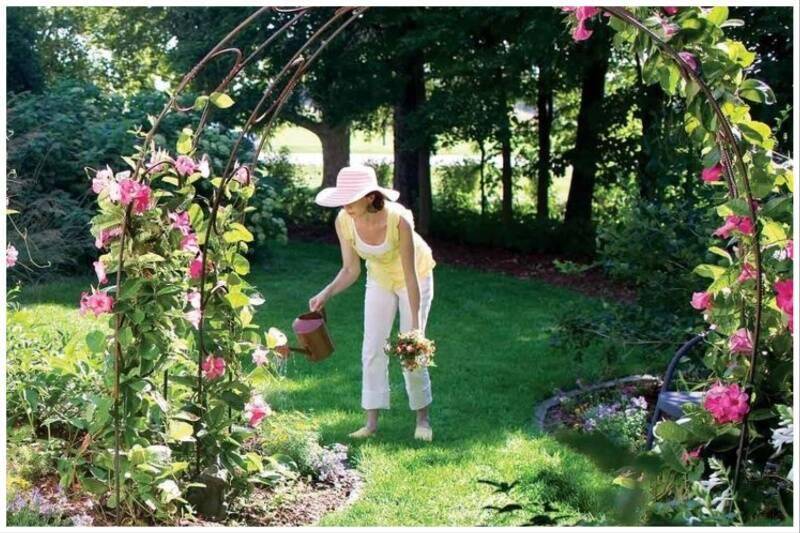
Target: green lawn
(494, 365)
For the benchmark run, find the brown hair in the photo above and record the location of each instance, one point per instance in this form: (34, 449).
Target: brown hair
(377, 202)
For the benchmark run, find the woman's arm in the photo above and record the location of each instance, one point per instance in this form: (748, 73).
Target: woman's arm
(347, 275)
(409, 269)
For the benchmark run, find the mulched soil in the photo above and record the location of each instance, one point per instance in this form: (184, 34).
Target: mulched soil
(523, 265)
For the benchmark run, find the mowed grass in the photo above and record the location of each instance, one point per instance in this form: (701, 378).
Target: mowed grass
(493, 365)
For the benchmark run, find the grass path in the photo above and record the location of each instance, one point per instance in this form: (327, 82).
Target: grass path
(494, 364)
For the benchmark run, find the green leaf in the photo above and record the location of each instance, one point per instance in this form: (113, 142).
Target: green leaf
(237, 299)
(180, 431)
(241, 265)
(722, 253)
(717, 15)
(756, 91)
(236, 233)
(221, 100)
(184, 145)
(773, 233)
(671, 431)
(200, 102)
(738, 53)
(757, 133)
(96, 341)
(709, 271)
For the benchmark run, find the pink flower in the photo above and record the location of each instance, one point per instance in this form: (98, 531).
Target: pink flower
(213, 367)
(106, 235)
(741, 341)
(189, 243)
(11, 256)
(785, 296)
(196, 268)
(241, 174)
(670, 10)
(712, 173)
(97, 302)
(790, 249)
(693, 455)
(669, 29)
(204, 167)
(260, 356)
(256, 410)
(101, 180)
(581, 32)
(180, 222)
(193, 298)
(128, 189)
(100, 270)
(701, 300)
(156, 157)
(193, 317)
(748, 273)
(735, 223)
(185, 165)
(142, 200)
(689, 59)
(726, 403)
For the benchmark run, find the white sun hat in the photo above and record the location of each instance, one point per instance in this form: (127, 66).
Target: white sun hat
(353, 183)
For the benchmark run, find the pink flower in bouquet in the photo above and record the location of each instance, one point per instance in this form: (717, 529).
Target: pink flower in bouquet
(97, 302)
(189, 243)
(100, 270)
(712, 173)
(726, 403)
(213, 367)
(256, 410)
(693, 455)
(260, 356)
(193, 317)
(701, 300)
(748, 273)
(180, 221)
(185, 165)
(741, 341)
(689, 59)
(106, 235)
(101, 179)
(11, 256)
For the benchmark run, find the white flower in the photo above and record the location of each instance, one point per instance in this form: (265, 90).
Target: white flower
(782, 436)
(275, 338)
(260, 356)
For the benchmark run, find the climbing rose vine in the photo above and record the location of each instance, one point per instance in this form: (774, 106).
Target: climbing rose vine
(749, 356)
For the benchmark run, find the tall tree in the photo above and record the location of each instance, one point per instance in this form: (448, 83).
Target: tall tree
(585, 155)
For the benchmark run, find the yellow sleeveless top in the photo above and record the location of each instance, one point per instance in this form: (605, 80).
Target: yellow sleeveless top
(384, 264)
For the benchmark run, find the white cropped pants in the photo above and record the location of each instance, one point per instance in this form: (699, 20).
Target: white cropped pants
(380, 307)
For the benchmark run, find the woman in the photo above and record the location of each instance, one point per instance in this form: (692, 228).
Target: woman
(374, 227)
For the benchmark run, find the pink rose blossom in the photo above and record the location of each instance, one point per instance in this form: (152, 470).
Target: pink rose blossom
(260, 356)
(185, 165)
(748, 273)
(689, 59)
(726, 403)
(256, 410)
(712, 173)
(97, 302)
(701, 300)
(100, 270)
(213, 367)
(741, 341)
(11, 256)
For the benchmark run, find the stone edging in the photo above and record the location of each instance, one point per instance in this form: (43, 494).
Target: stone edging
(540, 413)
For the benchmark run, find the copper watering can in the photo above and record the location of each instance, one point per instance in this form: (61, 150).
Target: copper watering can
(312, 335)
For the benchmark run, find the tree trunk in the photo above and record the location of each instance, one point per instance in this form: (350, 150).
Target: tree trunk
(650, 101)
(335, 151)
(425, 194)
(544, 107)
(507, 212)
(483, 177)
(409, 149)
(584, 157)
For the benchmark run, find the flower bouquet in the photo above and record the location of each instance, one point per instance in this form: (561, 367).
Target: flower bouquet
(413, 350)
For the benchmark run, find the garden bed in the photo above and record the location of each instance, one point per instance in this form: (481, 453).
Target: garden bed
(620, 409)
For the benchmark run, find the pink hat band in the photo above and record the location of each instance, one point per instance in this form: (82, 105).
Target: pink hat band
(353, 183)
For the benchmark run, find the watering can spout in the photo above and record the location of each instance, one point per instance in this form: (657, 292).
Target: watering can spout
(312, 336)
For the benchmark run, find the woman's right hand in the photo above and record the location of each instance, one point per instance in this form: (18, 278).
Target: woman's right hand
(318, 302)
